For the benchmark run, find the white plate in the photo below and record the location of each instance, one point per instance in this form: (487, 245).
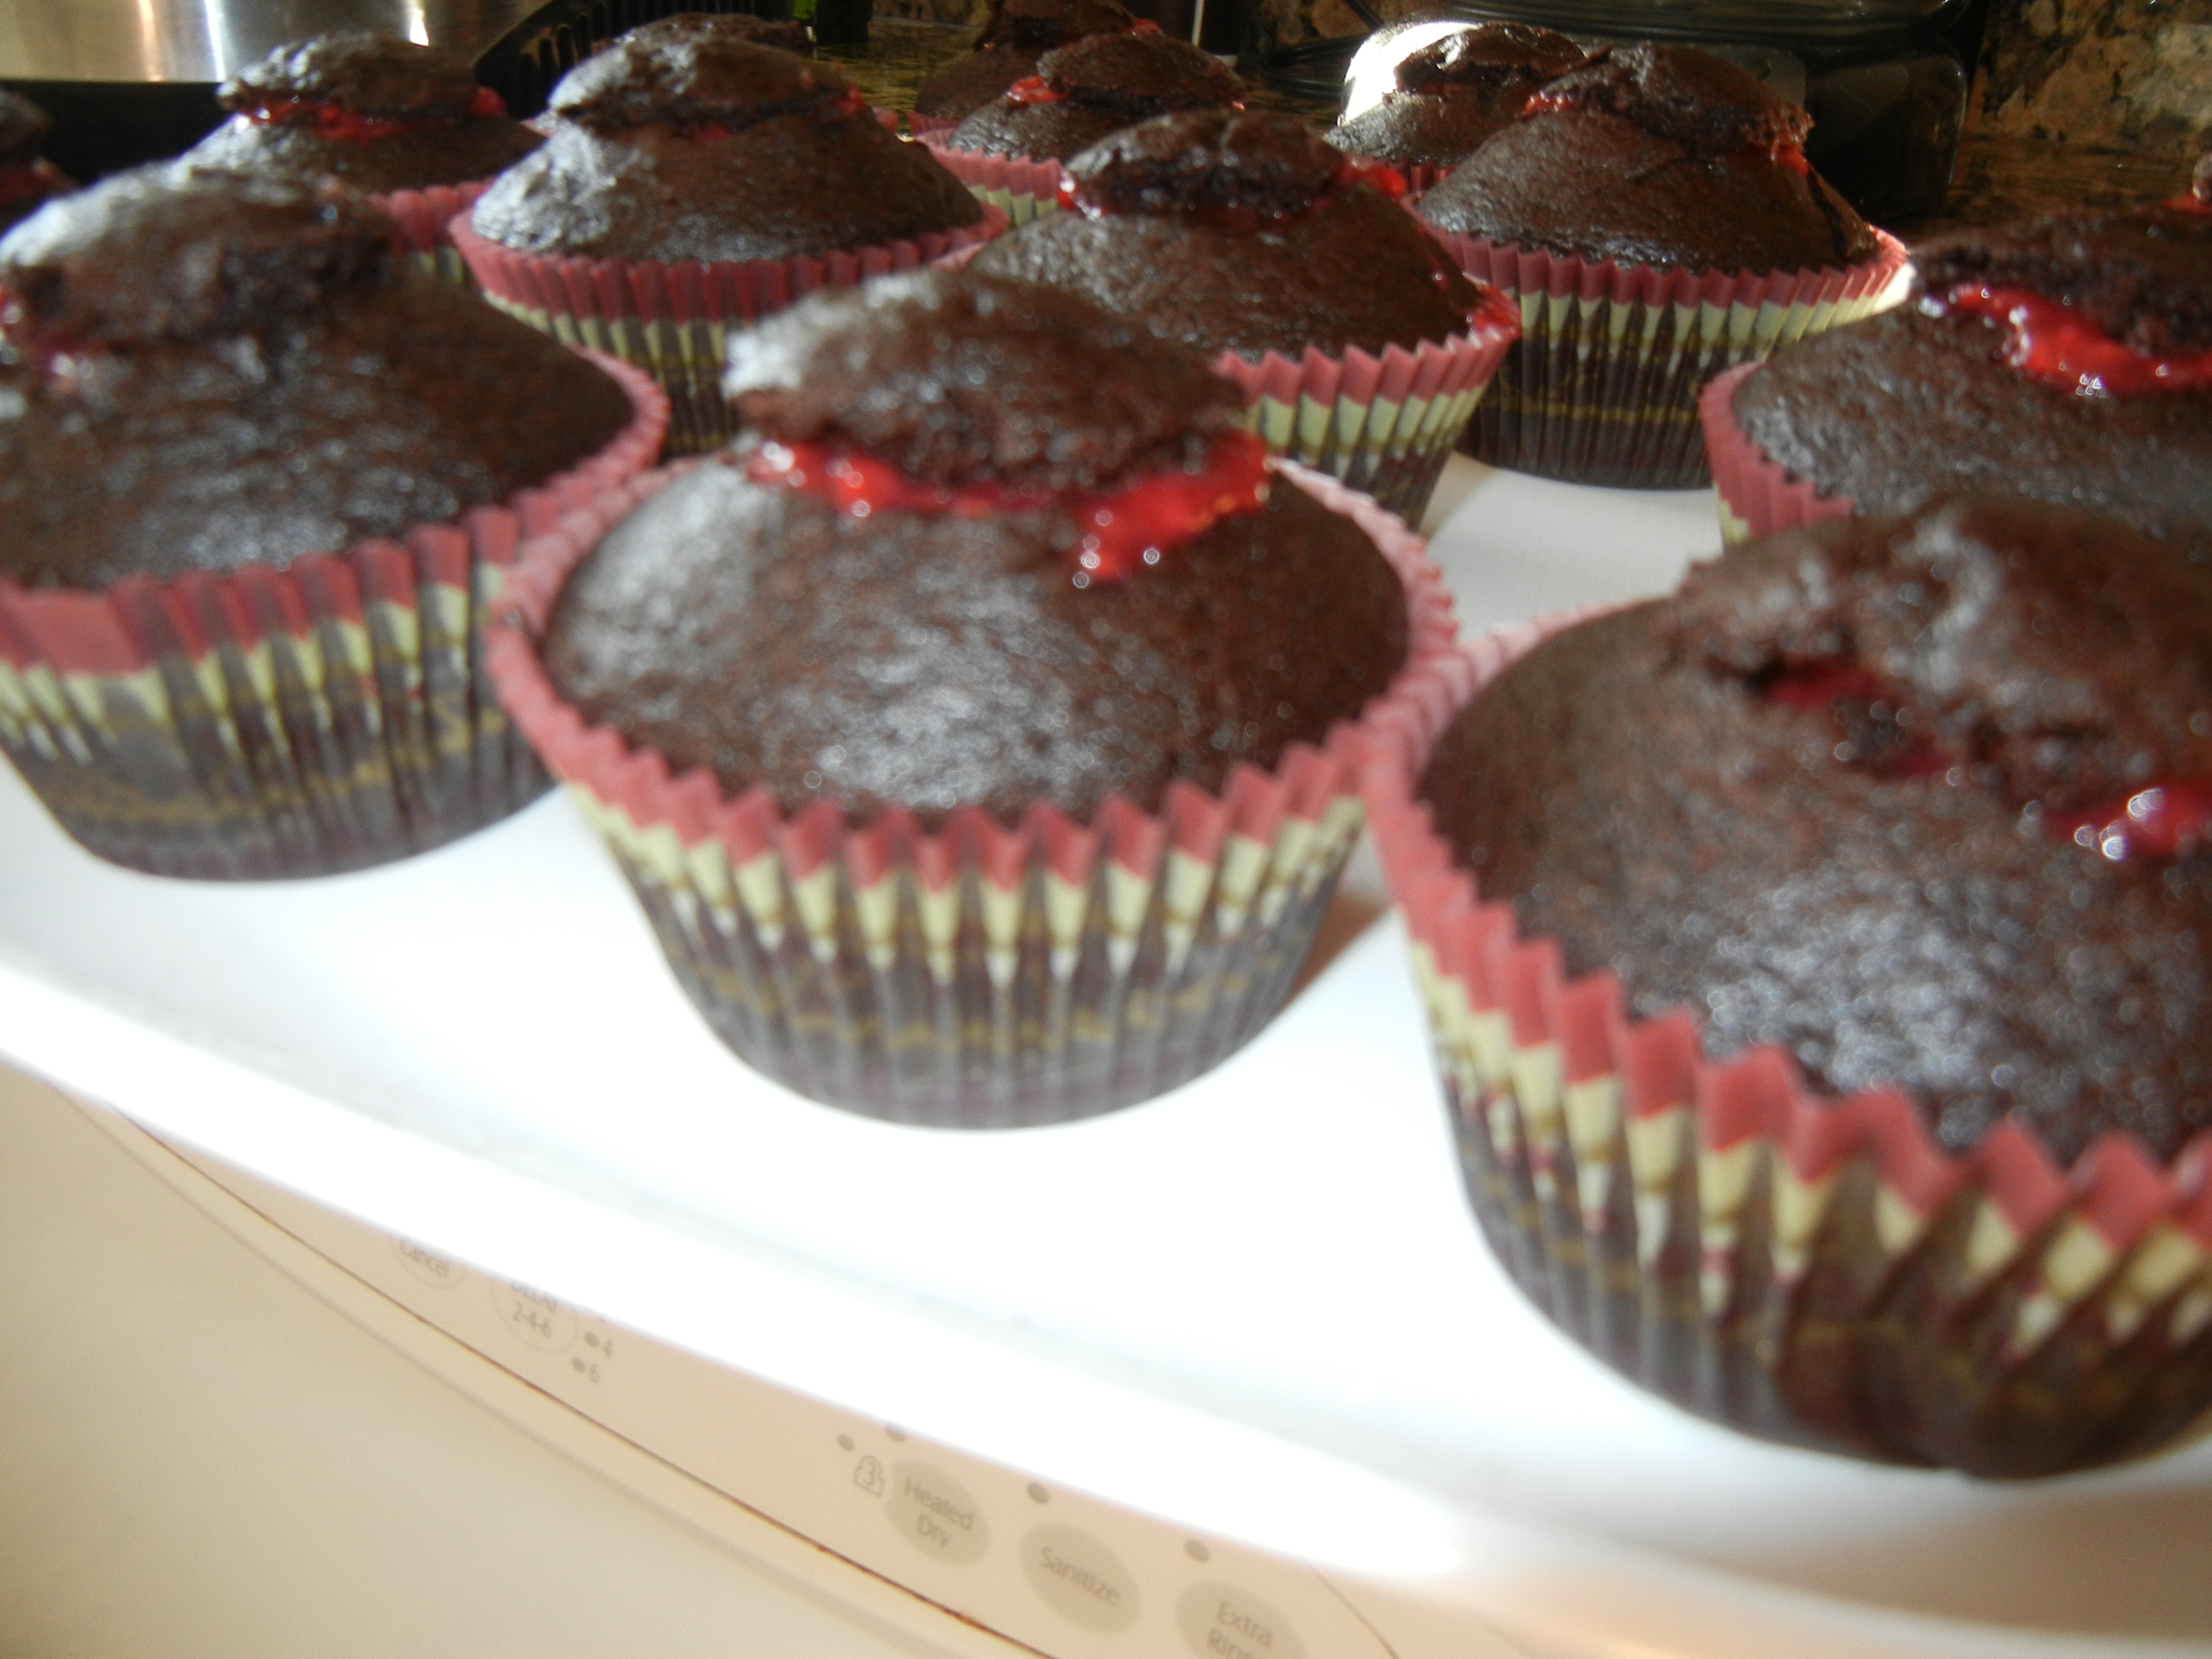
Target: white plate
(481, 1048)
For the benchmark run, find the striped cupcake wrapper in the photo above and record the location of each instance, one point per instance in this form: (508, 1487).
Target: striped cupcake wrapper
(1818, 1272)
(1756, 495)
(1603, 386)
(1020, 186)
(980, 975)
(267, 723)
(424, 218)
(674, 321)
(1381, 425)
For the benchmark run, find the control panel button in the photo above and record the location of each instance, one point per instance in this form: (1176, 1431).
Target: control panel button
(534, 1317)
(935, 1514)
(1219, 1621)
(424, 1263)
(1079, 1578)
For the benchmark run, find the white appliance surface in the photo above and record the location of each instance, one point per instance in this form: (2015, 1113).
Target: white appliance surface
(1256, 1307)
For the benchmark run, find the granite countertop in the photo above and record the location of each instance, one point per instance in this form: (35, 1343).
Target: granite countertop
(2000, 176)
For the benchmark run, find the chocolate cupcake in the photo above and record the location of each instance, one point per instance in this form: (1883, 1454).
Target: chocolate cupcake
(1453, 93)
(1006, 49)
(1009, 151)
(28, 180)
(406, 122)
(1656, 216)
(1916, 814)
(1094, 88)
(252, 490)
(2067, 358)
(694, 181)
(998, 696)
(1243, 234)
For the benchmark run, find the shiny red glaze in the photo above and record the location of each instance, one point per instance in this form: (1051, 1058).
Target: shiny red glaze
(2161, 821)
(1032, 89)
(2188, 203)
(1790, 155)
(2057, 344)
(1122, 529)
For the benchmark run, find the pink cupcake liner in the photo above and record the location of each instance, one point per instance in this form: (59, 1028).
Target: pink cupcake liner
(1816, 1271)
(928, 126)
(1603, 386)
(1022, 187)
(422, 216)
(979, 975)
(327, 716)
(1756, 496)
(674, 320)
(1382, 425)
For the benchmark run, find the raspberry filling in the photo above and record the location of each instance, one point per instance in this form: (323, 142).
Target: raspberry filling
(1874, 728)
(1875, 731)
(1034, 90)
(2056, 343)
(2162, 822)
(1122, 529)
(336, 121)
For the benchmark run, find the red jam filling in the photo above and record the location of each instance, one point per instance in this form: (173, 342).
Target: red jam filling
(1032, 89)
(1790, 155)
(2161, 821)
(336, 121)
(1874, 725)
(1122, 529)
(2057, 344)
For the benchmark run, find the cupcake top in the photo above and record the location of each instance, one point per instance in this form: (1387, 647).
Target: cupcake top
(216, 369)
(380, 112)
(1006, 49)
(984, 545)
(1241, 231)
(1456, 91)
(1655, 155)
(1921, 799)
(1097, 86)
(2064, 357)
(26, 179)
(687, 140)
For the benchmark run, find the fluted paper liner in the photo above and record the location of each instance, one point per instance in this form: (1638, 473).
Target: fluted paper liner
(1815, 1271)
(324, 717)
(1756, 496)
(424, 217)
(1603, 386)
(1022, 187)
(1381, 425)
(980, 975)
(926, 127)
(674, 321)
